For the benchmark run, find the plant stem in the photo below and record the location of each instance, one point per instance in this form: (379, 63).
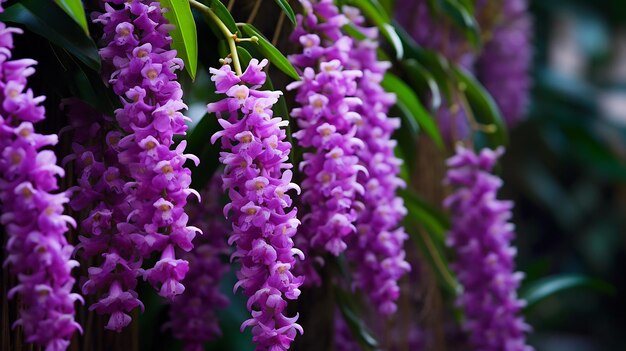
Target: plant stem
(230, 37)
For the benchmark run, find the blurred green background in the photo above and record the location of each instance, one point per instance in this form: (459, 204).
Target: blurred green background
(566, 168)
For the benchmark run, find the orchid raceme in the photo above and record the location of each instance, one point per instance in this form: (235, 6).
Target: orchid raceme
(322, 202)
(31, 209)
(100, 192)
(257, 178)
(193, 316)
(481, 238)
(140, 67)
(377, 250)
(327, 118)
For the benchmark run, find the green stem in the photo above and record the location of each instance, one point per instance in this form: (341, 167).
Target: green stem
(230, 37)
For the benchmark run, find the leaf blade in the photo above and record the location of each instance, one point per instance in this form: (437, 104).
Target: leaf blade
(184, 34)
(540, 290)
(271, 52)
(377, 14)
(463, 18)
(284, 5)
(410, 102)
(74, 8)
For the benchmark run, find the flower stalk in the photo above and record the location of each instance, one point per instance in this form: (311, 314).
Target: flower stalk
(230, 37)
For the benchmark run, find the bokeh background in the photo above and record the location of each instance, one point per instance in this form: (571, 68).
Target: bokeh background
(566, 170)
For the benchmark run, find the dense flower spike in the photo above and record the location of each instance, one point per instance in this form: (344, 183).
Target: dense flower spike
(37, 249)
(257, 177)
(481, 238)
(99, 190)
(327, 120)
(378, 250)
(193, 314)
(503, 66)
(139, 66)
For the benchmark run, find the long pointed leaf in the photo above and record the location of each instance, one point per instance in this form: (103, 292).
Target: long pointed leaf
(284, 5)
(74, 8)
(378, 16)
(463, 18)
(410, 102)
(540, 290)
(271, 52)
(184, 35)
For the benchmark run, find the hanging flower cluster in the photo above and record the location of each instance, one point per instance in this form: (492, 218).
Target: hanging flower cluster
(37, 249)
(327, 120)
(481, 238)
(504, 64)
(193, 314)
(139, 66)
(99, 190)
(257, 177)
(378, 249)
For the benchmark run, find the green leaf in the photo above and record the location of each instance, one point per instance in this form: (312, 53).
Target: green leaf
(463, 18)
(406, 135)
(284, 5)
(49, 21)
(389, 32)
(435, 63)
(483, 107)
(540, 290)
(184, 36)
(222, 12)
(377, 15)
(408, 101)
(432, 241)
(433, 220)
(271, 52)
(360, 332)
(244, 57)
(423, 81)
(74, 8)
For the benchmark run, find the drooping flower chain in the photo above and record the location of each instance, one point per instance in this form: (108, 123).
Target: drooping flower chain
(327, 121)
(377, 251)
(100, 191)
(193, 316)
(481, 239)
(32, 215)
(139, 66)
(257, 177)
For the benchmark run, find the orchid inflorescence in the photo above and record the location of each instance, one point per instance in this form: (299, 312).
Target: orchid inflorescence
(288, 215)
